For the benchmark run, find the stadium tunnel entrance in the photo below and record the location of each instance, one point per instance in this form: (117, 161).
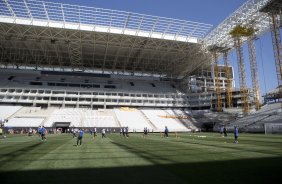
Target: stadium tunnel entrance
(62, 126)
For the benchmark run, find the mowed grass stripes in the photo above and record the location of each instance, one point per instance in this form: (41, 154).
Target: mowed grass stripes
(187, 158)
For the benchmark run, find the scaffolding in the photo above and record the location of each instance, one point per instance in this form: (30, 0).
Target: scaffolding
(254, 70)
(238, 33)
(228, 79)
(242, 74)
(277, 48)
(274, 11)
(217, 82)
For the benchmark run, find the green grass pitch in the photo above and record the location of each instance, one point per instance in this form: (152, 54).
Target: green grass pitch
(190, 158)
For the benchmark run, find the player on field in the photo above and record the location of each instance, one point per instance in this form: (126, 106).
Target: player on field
(95, 132)
(79, 137)
(30, 132)
(123, 131)
(2, 121)
(225, 131)
(42, 132)
(103, 133)
(126, 132)
(166, 131)
(39, 131)
(74, 132)
(221, 131)
(236, 134)
(145, 133)
(1, 133)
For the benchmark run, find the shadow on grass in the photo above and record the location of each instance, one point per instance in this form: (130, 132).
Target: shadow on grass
(16, 153)
(263, 170)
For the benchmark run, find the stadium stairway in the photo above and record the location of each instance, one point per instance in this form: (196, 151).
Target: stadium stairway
(182, 118)
(8, 112)
(132, 119)
(148, 120)
(160, 120)
(116, 119)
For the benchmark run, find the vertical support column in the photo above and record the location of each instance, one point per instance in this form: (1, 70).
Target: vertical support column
(217, 83)
(254, 71)
(228, 80)
(242, 74)
(277, 49)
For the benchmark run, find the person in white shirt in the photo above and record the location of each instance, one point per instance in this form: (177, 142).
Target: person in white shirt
(103, 133)
(95, 132)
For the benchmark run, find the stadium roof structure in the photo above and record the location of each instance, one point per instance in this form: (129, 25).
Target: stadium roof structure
(248, 15)
(47, 35)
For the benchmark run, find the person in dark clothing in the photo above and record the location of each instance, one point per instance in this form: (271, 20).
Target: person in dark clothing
(126, 132)
(225, 132)
(236, 134)
(123, 131)
(39, 131)
(79, 137)
(145, 133)
(166, 132)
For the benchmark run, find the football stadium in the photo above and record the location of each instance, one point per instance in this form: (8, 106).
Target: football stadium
(100, 95)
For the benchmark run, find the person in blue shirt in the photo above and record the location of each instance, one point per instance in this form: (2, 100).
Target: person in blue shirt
(166, 132)
(236, 134)
(42, 132)
(79, 137)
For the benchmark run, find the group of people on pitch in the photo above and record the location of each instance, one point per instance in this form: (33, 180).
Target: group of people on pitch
(146, 131)
(79, 134)
(124, 132)
(223, 133)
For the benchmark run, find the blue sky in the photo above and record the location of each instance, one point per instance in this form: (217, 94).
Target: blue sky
(205, 11)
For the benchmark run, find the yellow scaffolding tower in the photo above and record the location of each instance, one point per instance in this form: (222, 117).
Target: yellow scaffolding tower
(254, 70)
(242, 74)
(228, 79)
(237, 33)
(217, 83)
